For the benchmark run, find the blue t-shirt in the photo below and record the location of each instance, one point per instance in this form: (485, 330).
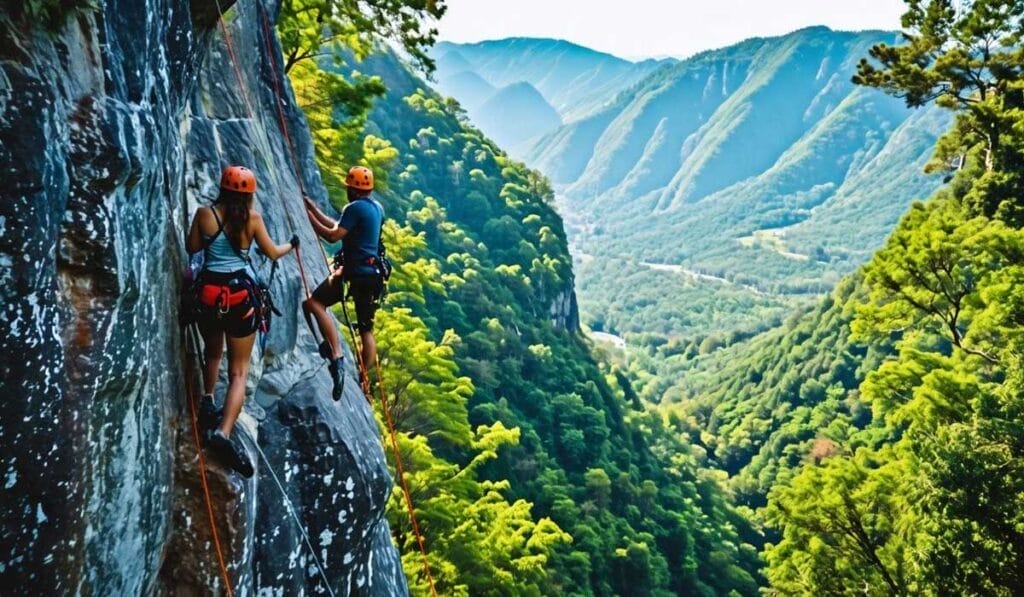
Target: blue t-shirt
(362, 219)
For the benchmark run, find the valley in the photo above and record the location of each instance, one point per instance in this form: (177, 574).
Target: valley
(741, 322)
(746, 167)
(720, 211)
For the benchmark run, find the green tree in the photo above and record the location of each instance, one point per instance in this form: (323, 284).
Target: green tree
(929, 274)
(309, 29)
(965, 56)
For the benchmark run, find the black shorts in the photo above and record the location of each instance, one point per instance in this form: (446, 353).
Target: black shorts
(364, 290)
(239, 321)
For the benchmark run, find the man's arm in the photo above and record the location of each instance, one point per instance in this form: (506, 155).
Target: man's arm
(319, 215)
(332, 233)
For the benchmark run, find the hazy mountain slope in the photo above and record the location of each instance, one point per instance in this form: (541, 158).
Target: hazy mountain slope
(564, 153)
(573, 79)
(514, 114)
(872, 198)
(649, 123)
(794, 82)
(449, 60)
(470, 88)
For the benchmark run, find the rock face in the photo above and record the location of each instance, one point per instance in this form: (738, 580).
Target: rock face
(565, 312)
(113, 130)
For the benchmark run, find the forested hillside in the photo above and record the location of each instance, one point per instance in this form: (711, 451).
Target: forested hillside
(533, 469)
(883, 428)
(877, 431)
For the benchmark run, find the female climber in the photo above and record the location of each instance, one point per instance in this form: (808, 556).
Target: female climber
(226, 292)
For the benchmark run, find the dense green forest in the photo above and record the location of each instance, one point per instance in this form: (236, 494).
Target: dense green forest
(533, 467)
(882, 429)
(869, 440)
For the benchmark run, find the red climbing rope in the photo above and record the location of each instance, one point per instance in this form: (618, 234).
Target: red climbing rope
(234, 60)
(284, 121)
(191, 392)
(233, 57)
(399, 466)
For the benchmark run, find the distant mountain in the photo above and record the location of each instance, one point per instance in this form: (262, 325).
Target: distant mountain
(468, 87)
(763, 163)
(516, 113)
(575, 80)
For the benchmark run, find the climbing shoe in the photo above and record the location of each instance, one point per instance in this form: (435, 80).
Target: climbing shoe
(228, 451)
(337, 370)
(209, 415)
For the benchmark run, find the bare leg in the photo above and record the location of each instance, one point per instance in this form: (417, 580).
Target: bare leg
(213, 349)
(239, 351)
(326, 324)
(369, 349)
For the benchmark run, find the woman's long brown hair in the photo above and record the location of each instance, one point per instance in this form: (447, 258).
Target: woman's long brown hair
(236, 214)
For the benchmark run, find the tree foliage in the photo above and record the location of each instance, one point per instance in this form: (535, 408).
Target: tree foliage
(312, 29)
(926, 497)
(969, 61)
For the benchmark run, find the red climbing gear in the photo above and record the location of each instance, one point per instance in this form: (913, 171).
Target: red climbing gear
(221, 297)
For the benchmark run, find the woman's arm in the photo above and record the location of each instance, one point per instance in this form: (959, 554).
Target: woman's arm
(194, 238)
(267, 245)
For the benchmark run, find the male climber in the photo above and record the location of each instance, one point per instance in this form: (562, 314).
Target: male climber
(359, 264)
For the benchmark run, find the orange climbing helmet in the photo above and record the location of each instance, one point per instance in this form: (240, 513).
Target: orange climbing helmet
(360, 177)
(238, 178)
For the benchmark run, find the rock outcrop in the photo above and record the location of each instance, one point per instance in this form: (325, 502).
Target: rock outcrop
(112, 130)
(565, 312)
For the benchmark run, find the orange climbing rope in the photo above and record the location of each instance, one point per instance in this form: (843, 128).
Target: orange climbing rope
(190, 390)
(399, 466)
(284, 121)
(401, 477)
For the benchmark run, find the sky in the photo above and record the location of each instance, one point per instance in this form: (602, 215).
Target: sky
(657, 28)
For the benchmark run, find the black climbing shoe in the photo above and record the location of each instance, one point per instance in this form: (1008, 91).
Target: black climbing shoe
(209, 415)
(232, 454)
(337, 370)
